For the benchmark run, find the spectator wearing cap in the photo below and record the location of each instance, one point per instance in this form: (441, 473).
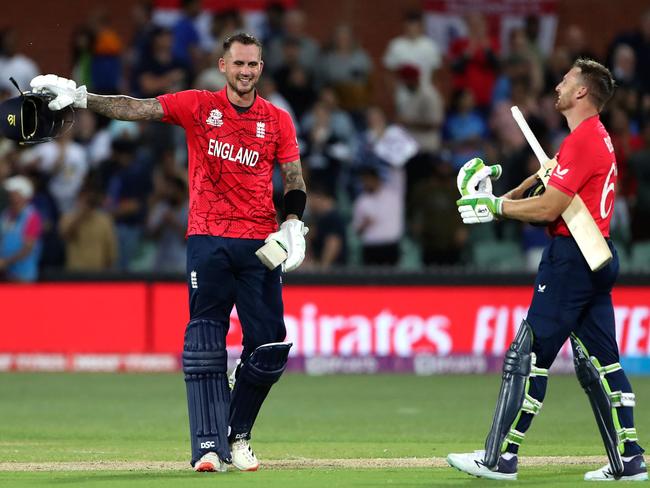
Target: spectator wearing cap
(420, 109)
(20, 231)
(413, 48)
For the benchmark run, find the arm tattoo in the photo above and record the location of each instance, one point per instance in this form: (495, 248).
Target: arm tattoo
(292, 173)
(122, 107)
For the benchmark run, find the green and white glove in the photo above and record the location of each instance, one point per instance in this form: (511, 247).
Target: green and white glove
(66, 91)
(479, 208)
(476, 177)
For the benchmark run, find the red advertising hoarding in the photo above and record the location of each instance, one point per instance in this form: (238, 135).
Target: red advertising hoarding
(322, 321)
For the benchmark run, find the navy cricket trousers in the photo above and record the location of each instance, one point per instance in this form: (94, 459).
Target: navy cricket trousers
(569, 298)
(223, 272)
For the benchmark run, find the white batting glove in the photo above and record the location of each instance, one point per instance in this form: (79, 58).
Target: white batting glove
(291, 237)
(475, 176)
(479, 208)
(65, 90)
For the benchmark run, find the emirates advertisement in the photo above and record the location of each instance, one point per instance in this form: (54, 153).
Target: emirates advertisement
(364, 329)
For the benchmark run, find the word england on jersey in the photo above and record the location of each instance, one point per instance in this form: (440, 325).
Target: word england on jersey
(230, 152)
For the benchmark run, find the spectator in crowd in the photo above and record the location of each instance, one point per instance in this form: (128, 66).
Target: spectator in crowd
(224, 24)
(413, 48)
(474, 61)
(65, 165)
(106, 60)
(139, 48)
(83, 40)
(327, 235)
(346, 67)
(464, 129)
(162, 72)
(5, 171)
(295, 82)
(534, 239)
(559, 62)
(639, 41)
(274, 25)
(521, 63)
(324, 150)
(185, 47)
(433, 224)
(378, 215)
(52, 246)
(89, 234)
(128, 189)
(341, 122)
(576, 43)
(14, 64)
(639, 165)
(624, 67)
(210, 78)
(420, 109)
(20, 230)
(625, 143)
(308, 48)
(268, 90)
(167, 223)
(95, 141)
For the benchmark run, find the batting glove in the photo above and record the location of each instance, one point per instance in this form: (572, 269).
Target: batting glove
(479, 208)
(475, 176)
(291, 237)
(65, 91)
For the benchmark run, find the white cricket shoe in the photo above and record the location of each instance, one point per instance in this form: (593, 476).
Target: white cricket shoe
(210, 462)
(243, 457)
(472, 463)
(634, 469)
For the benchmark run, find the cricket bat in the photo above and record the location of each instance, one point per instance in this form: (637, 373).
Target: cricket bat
(578, 219)
(271, 254)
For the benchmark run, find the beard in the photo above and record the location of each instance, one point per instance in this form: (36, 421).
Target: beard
(564, 102)
(241, 92)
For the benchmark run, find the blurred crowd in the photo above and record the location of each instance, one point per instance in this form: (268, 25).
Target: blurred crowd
(111, 195)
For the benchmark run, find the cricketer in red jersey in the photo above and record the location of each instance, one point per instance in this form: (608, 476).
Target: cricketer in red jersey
(234, 138)
(231, 157)
(569, 300)
(594, 182)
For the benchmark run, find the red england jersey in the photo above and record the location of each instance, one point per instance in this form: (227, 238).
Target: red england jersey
(230, 161)
(586, 165)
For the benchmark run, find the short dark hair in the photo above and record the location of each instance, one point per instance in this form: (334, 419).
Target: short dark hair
(598, 80)
(242, 38)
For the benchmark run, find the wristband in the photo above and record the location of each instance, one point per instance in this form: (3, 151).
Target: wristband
(294, 203)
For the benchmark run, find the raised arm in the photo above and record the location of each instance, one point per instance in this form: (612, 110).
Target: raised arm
(66, 92)
(125, 108)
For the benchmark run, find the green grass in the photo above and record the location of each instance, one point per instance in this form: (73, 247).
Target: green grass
(101, 417)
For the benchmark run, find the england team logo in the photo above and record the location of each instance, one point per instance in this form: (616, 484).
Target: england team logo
(261, 130)
(215, 118)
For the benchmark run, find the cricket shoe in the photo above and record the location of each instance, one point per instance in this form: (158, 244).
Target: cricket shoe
(472, 463)
(243, 457)
(634, 469)
(210, 463)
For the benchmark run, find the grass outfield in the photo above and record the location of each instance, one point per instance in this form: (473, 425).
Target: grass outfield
(330, 431)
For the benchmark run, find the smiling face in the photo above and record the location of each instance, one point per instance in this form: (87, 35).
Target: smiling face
(569, 90)
(242, 64)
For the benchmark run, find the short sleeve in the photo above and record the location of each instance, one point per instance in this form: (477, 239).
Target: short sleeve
(288, 149)
(179, 107)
